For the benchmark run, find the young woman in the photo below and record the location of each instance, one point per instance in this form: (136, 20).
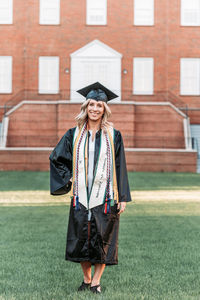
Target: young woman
(89, 160)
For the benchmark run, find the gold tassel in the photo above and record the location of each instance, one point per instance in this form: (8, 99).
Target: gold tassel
(115, 189)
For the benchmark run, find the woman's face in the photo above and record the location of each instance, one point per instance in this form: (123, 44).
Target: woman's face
(95, 110)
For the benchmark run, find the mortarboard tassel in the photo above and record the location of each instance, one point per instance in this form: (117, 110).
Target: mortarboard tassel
(74, 203)
(106, 204)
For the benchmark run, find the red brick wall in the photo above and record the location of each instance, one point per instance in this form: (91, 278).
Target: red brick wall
(33, 126)
(24, 160)
(136, 161)
(166, 41)
(13, 39)
(158, 127)
(194, 116)
(40, 125)
(161, 161)
(142, 126)
(183, 42)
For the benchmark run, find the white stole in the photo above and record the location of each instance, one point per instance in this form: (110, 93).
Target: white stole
(98, 189)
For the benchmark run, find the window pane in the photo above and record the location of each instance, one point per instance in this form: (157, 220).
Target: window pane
(190, 76)
(190, 12)
(6, 11)
(49, 12)
(143, 76)
(5, 74)
(48, 75)
(143, 12)
(96, 12)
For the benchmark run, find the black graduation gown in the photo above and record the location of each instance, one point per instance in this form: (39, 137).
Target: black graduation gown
(101, 244)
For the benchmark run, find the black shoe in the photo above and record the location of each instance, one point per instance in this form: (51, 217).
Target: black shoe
(84, 286)
(94, 289)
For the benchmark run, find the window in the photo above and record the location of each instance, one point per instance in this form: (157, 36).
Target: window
(190, 12)
(143, 69)
(49, 12)
(5, 74)
(6, 11)
(48, 74)
(190, 76)
(96, 12)
(144, 12)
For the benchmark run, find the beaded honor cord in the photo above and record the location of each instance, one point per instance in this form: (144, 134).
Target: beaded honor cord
(108, 196)
(109, 159)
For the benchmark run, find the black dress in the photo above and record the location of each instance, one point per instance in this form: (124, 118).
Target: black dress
(100, 244)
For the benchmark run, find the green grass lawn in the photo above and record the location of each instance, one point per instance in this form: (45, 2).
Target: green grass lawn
(25, 180)
(159, 256)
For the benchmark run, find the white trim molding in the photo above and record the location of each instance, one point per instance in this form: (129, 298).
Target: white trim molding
(119, 103)
(96, 48)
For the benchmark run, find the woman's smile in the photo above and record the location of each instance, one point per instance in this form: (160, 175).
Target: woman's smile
(95, 110)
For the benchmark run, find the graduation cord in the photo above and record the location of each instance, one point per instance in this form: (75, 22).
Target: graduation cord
(108, 175)
(76, 151)
(86, 157)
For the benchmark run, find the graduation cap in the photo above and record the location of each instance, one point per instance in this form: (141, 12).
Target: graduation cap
(97, 92)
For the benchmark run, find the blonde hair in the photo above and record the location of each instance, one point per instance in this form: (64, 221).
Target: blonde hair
(82, 117)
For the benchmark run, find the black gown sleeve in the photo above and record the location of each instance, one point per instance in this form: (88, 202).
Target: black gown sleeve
(121, 170)
(61, 165)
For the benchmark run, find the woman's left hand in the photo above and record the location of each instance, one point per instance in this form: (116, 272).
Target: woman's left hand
(121, 206)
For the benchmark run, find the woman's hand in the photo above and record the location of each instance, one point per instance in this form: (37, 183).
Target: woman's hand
(121, 206)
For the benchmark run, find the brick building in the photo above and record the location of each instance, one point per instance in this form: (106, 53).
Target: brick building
(146, 51)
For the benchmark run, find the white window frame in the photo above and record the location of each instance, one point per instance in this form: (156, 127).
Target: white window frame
(89, 8)
(42, 19)
(9, 19)
(8, 76)
(187, 77)
(136, 20)
(143, 92)
(41, 88)
(192, 10)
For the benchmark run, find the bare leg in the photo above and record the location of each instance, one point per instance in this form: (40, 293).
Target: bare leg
(98, 271)
(87, 270)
